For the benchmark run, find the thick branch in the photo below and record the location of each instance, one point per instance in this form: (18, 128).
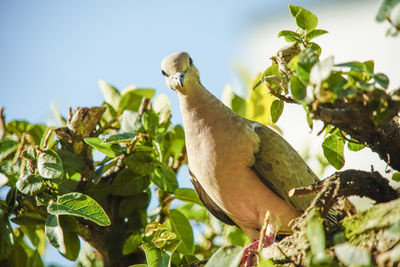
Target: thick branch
(350, 183)
(358, 117)
(293, 250)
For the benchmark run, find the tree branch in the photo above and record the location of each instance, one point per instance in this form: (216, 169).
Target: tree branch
(355, 116)
(2, 124)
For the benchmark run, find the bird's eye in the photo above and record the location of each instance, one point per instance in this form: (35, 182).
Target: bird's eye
(164, 73)
(190, 61)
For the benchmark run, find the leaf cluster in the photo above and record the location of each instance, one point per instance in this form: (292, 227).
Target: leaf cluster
(95, 179)
(298, 75)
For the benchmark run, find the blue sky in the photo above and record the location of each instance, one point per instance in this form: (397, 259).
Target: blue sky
(56, 51)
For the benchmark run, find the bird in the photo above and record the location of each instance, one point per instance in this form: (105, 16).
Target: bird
(240, 169)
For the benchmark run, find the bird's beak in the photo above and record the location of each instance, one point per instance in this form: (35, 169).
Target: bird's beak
(180, 76)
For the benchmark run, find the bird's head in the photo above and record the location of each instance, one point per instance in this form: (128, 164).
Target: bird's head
(180, 72)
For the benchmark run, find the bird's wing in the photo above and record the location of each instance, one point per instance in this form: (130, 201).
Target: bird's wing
(209, 203)
(281, 168)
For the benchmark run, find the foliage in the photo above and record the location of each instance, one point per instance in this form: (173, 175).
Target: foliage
(298, 75)
(390, 11)
(100, 187)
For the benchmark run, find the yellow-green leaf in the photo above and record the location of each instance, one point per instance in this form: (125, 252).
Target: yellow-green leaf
(258, 103)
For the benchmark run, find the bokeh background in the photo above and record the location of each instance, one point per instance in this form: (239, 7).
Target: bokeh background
(56, 51)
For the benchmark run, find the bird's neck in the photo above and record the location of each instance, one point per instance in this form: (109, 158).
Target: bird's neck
(201, 109)
(211, 127)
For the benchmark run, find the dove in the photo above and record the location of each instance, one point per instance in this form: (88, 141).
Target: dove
(241, 169)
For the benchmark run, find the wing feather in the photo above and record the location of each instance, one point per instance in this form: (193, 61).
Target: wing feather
(281, 168)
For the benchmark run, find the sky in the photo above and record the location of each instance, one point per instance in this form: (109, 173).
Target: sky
(57, 51)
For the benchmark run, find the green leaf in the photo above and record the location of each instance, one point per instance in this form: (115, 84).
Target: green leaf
(30, 184)
(382, 80)
(333, 147)
(321, 71)
(304, 18)
(50, 165)
(354, 65)
(155, 257)
(66, 242)
(226, 256)
(6, 236)
(314, 33)
(17, 127)
(141, 162)
(162, 239)
(177, 142)
(36, 132)
(232, 100)
(297, 88)
(99, 191)
(188, 195)
(131, 244)
(276, 110)
(67, 186)
(28, 218)
(72, 163)
(120, 138)
(150, 121)
(7, 147)
(369, 65)
(385, 8)
(18, 256)
(131, 122)
(111, 150)
(130, 204)
(350, 255)
(194, 212)
(131, 99)
(35, 260)
(316, 48)
(355, 146)
(290, 36)
(81, 205)
(165, 179)
(128, 183)
(109, 113)
(181, 226)
(259, 101)
(315, 232)
(236, 236)
(396, 176)
(111, 94)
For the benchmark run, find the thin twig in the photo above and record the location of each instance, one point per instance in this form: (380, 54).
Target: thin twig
(46, 139)
(20, 147)
(144, 105)
(2, 124)
(347, 139)
(69, 115)
(263, 231)
(323, 128)
(391, 22)
(284, 98)
(106, 126)
(304, 190)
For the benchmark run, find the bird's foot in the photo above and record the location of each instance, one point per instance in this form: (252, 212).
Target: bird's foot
(251, 249)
